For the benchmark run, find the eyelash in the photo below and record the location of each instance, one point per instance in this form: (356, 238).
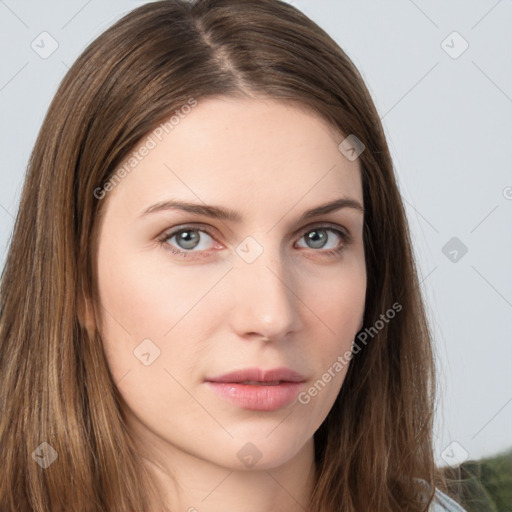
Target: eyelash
(345, 237)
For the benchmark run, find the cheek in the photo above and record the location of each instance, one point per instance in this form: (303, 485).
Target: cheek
(339, 308)
(339, 300)
(153, 332)
(151, 306)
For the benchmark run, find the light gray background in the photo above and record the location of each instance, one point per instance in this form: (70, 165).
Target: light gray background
(448, 119)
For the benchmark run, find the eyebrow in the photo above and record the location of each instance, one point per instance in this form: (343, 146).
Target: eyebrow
(221, 213)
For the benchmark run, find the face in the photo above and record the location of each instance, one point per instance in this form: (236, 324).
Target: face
(189, 296)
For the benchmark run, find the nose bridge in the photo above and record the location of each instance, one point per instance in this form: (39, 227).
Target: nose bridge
(265, 300)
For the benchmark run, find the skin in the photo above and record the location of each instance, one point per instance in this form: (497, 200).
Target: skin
(212, 312)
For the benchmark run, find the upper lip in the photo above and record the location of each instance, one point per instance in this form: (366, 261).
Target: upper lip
(259, 375)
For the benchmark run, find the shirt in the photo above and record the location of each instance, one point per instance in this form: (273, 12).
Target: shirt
(443, 503)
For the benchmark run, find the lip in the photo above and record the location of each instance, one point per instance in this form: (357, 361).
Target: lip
(279, 387)
(258, 374)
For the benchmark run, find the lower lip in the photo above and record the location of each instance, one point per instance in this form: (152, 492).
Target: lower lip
(257, 397)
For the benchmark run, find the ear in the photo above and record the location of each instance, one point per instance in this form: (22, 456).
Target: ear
(85, 314)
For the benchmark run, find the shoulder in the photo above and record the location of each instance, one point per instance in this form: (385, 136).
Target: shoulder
(443, 503)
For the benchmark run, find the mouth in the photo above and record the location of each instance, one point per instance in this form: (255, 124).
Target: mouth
(259, 376)
(256, 389)
(257, 383)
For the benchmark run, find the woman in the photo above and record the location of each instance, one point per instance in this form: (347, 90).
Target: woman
(210, 300)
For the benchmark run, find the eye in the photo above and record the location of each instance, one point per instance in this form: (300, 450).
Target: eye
(187, 239)
(326, 239)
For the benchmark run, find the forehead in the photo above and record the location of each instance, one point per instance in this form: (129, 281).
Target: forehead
(252, 152)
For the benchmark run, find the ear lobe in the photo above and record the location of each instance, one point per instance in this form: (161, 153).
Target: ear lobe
(85, 314)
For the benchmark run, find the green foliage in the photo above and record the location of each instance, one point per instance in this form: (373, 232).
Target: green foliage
(484, 485)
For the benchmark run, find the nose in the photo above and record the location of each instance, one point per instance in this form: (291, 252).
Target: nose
(265, 299)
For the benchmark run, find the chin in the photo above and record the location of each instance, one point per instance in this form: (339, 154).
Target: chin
(262, 451)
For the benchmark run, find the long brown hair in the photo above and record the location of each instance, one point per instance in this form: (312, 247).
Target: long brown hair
(376, 442)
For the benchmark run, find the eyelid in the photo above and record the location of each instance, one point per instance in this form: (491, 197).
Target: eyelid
(169, 233)
(210, 230)
(326, 224)
(344, 232)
